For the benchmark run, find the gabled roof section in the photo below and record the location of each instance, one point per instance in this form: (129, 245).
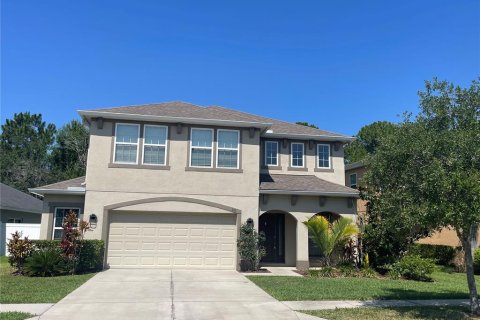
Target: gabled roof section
(182, 112)
(71, 186)
(303, 185)
(355, 165)
(15, 200)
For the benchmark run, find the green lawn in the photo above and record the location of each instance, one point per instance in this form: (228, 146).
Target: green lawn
(445, 286)
(402, 313)
(15, 315)
(22, 289)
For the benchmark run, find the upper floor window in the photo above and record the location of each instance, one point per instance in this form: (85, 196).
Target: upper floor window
(297, 154)
(227, 148)
(353, 180)
(323, 156)
(155, 145)
(271, 153)
(58, 219)
(201, 148)
(126, 142)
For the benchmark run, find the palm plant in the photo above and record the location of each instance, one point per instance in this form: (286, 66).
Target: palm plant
(45, 263)
(328, 237)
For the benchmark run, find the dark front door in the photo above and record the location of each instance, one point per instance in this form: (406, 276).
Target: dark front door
(273, 226)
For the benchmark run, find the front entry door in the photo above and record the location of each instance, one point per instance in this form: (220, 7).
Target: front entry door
(273, 226)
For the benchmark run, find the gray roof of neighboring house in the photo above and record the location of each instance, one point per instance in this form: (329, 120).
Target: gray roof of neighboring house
(355, 165)
(72, 186)
(176, 111)
(302, 184)
(13, 199)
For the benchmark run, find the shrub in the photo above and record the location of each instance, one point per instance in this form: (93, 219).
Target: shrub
(45, 244)
(19, 250)
(442, 255)
(348, 270)
(412, 267)
(250, 248)
(45, 262)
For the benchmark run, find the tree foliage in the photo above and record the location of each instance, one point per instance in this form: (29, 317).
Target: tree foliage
(368, 139)
(426, 175)
(26, 143)
(306, 124)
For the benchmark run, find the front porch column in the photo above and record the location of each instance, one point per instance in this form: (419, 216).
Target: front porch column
(302, 246)
(46, 226)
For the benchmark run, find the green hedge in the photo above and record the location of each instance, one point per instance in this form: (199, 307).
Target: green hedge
(442, 255)
(90, 255)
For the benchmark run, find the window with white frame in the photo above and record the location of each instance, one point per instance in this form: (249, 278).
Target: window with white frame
(353, 180)
(323, 156)
(126, 143)
(201, 148)
(155, 145)
(14, 220)
(58, 219)
(271, 153)
(228, 148)
(297, 154)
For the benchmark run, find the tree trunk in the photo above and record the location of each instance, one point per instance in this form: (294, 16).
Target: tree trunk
(467, 247)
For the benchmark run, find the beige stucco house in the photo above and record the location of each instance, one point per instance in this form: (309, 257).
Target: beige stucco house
(168, 185)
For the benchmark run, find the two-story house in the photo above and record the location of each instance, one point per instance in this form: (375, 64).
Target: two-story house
(169, 184)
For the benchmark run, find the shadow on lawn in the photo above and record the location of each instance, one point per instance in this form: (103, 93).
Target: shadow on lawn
(450, 313)
(420, 294)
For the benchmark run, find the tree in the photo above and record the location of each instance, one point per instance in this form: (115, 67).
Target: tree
(328, 237)
(250, 247)
(69, 155)
(25, 145)
(368, 139)
(306, 124)
(426, 176)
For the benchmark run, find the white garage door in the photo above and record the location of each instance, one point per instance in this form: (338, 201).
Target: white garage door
(175, 240)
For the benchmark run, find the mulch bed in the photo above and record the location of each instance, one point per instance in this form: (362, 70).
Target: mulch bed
(261, 270)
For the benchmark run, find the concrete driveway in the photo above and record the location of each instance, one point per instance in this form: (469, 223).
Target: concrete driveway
(168, 294)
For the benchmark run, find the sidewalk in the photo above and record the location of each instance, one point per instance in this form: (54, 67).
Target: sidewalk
(323, 305)
(33, 308)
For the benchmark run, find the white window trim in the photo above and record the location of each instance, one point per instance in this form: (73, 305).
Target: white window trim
(206, 148)
(350, 180)
(329, 156)
(266, 163)
(55, 218)
(233, 149)
(303, 155)
(126, 143)
(155, 145)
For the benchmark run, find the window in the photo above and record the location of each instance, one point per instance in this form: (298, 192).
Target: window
(14, 220)
(227, 148)
(126, 143)
(323, 155)
(201, 148)
(60, 214)
(297, 154)
(271, 153)
(155, 145)
(353, 180)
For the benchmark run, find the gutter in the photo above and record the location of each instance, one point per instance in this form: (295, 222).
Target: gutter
(312, 193)
(216, 122)
(323, 137)
(73, 191)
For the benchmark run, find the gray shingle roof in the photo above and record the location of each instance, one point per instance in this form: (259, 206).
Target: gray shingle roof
(187, 110)
(13, 199)
(64, 185)
(302, 183)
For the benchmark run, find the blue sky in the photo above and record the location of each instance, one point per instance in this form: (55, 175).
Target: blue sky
(338, 64)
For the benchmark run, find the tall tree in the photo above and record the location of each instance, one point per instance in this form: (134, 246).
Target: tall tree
(69, 155)
(368, 139)
(25, 144)
(306, 124)
(426, 176)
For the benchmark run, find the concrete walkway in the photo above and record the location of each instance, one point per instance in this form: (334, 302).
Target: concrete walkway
(169, 294)
(32, 308)
(323, 305)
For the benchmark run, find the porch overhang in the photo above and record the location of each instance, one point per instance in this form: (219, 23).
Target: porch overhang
(312, 193)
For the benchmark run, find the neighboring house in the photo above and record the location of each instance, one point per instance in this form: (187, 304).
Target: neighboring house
(17, 209)
(353, 178)
(169, 184)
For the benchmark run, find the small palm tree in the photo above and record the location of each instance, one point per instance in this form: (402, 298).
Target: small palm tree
(328, 236)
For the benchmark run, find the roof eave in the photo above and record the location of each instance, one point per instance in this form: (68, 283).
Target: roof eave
(89, 114)
(311, 193)
(322, 137)
(20, 210)
(42, 192)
